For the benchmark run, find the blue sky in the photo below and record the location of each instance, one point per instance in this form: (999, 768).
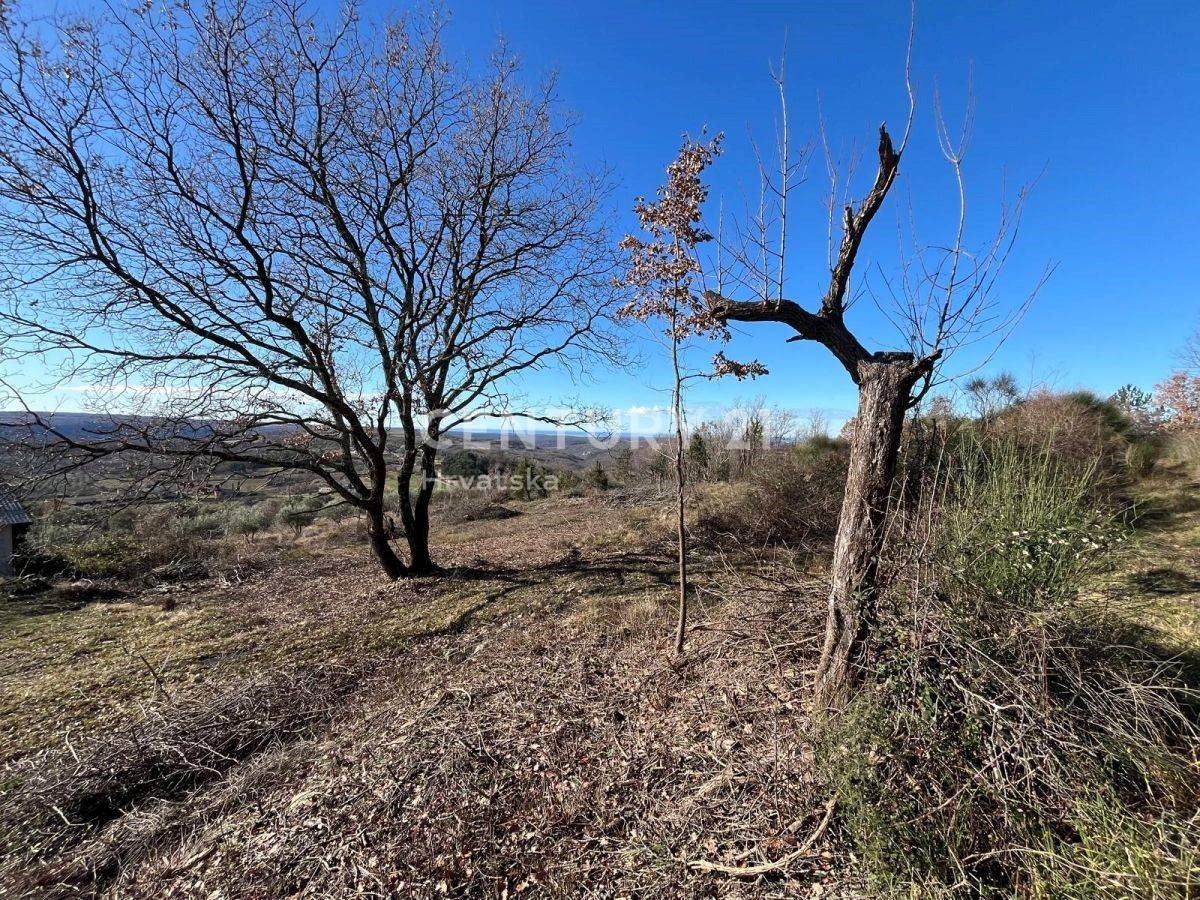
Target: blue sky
(1100, 102)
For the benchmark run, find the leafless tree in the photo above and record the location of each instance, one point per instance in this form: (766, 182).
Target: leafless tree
(944, 300)
(305, 242)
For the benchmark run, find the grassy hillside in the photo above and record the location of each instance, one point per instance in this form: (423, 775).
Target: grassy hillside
(517, 726)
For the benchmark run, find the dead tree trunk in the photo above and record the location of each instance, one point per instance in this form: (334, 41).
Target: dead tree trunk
(885, 382)
(884, 393)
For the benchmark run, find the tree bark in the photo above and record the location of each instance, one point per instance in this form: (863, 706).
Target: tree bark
(377, 532)
(418, 544)
(886, 381)
(420, 561)
(414, 510)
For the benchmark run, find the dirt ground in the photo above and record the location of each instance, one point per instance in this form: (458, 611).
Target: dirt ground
(517, 726)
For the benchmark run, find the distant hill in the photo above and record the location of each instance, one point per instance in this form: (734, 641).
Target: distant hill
(76, 426)
(573, 449)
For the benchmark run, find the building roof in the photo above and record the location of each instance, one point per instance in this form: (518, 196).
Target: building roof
(11, 512)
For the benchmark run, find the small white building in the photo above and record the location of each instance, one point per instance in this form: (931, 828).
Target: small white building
(13, 522)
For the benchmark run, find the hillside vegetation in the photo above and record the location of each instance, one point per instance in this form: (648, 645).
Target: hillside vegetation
(287, 722)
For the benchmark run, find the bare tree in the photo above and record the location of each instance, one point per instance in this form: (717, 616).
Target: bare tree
(943, 301)
(291, 236)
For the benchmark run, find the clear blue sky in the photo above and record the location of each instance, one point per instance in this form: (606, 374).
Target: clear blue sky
(1104, 97)
(1102, 100)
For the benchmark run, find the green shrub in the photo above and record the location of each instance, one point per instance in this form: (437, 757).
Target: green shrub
(527, 481)
(1014, 737)
(107, 556)
(464, 464)
(817, 447)
(697, 456)
(596, 477)
(297, 516)
(248, 521)
(206, 525)
(1020, 526)
(1142, 455)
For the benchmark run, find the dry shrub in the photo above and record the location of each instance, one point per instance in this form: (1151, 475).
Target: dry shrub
(792, 497)
(1016, 738)
(73, 817)
(156, 543)
(1183, 448)
(454, 507)
(1078, 426)
(1143, 453)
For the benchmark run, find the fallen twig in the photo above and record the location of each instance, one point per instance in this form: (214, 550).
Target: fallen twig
(753, 871)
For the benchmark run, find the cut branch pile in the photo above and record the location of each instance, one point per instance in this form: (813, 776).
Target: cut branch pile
(78, 815)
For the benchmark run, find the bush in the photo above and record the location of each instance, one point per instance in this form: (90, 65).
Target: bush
(1078, 426)
(1015, 738)
(568, 482)
(793, 497)
(107, 556)
(129, 543)
(248, 521)
(297, 516)
(464, 464)
(1142, 455)
(597, 478)
(1021, 527)
(161, 541)
(1184, 449)
(456, 506)
(527, 481)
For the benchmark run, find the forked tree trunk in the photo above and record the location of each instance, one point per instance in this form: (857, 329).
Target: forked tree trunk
(885, 386)
(414, 511)
(381, 546)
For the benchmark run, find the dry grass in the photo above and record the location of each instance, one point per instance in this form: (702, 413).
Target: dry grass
(526, 726)
(518, 726)
(76, 816)
(555, 744)
(544, 751)
(70, 664)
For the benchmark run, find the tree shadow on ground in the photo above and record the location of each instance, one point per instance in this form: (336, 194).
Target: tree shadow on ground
(620, 566)
(23, 603)
(1163, 581)
(1163, 513)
